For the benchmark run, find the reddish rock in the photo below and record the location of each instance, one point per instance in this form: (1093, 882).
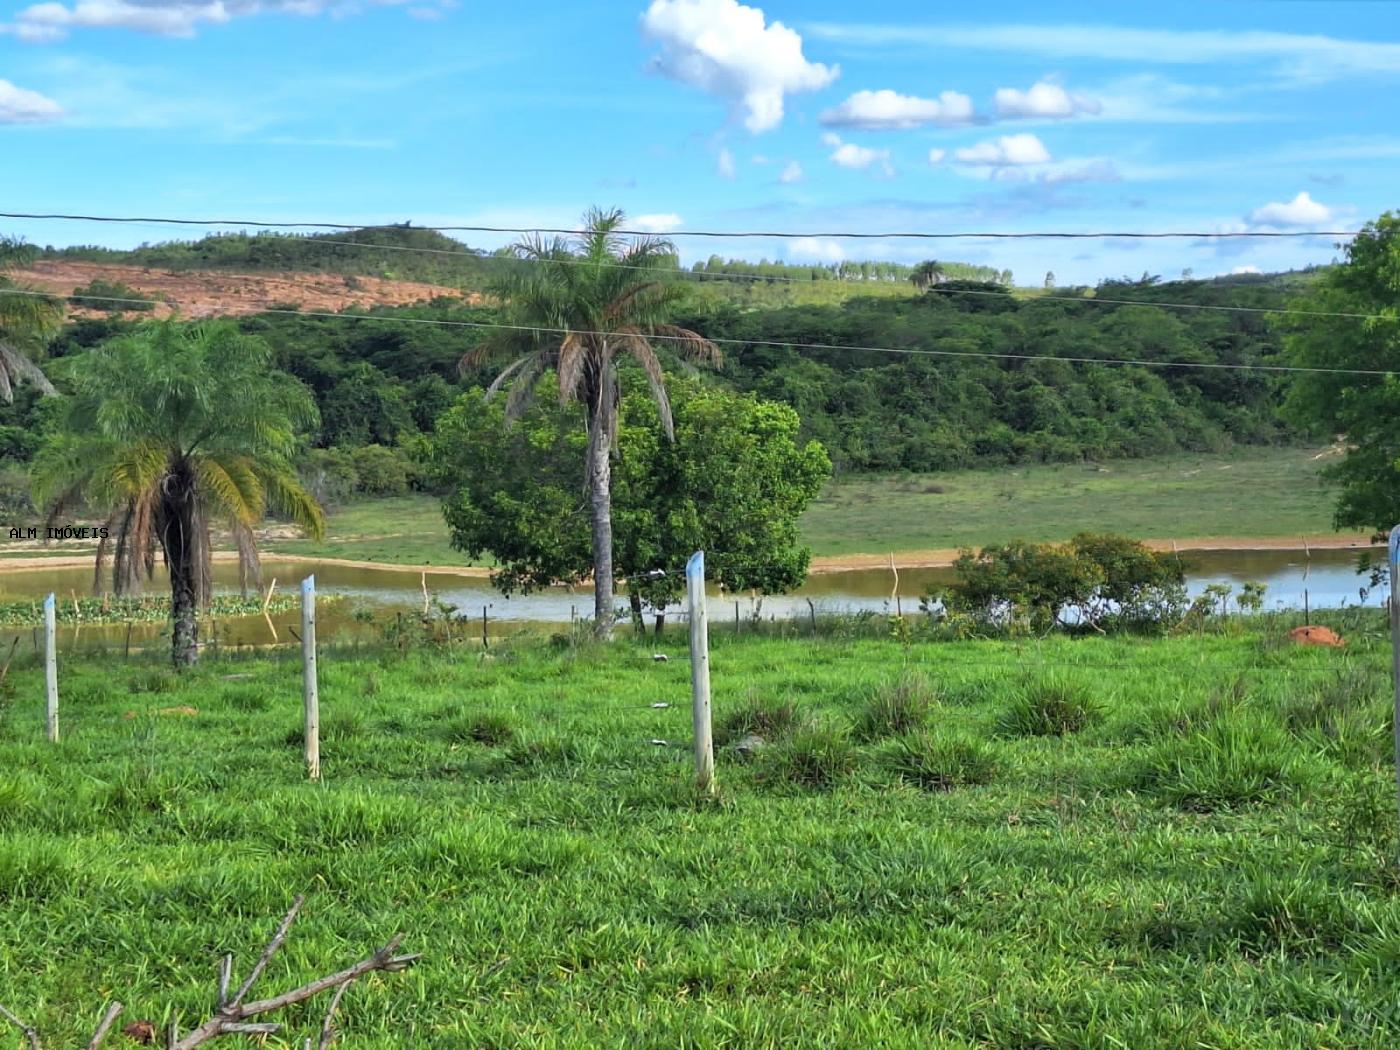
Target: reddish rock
(141, 1031)
(1316, 636)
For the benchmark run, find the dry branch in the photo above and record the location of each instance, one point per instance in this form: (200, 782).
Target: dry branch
(234, 1016)
(28, 1030)
(103, 1026)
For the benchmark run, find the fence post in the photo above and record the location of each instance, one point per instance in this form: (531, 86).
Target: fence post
(700, 674)
(50, 672)
(1395, 643)
(311, 702)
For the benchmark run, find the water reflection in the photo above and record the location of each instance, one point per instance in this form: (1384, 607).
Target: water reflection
(1327, 578)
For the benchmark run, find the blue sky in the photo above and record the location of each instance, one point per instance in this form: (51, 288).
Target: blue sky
(805, 117)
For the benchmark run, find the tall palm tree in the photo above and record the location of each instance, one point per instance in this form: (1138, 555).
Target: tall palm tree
(576, 306)
(28, 320)
(170, 429)
(927, 274)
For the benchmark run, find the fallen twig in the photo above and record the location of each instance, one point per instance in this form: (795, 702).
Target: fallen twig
(28, 1030)
(108, 1019)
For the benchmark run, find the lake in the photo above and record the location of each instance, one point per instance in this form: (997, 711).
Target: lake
(1328, 577)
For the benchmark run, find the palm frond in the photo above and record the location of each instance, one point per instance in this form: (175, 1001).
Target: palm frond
(645, 356)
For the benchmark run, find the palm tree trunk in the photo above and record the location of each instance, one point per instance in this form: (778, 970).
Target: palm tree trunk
(600, 498)
(181, 551)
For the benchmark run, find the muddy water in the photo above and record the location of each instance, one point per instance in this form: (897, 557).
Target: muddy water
(1328, 577)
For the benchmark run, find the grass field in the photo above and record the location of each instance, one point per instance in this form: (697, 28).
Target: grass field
(1101, 843)
(1248, 492)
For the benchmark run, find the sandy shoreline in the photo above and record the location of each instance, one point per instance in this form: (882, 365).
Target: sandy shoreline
(925, 559)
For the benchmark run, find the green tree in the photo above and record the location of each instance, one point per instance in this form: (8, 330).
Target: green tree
(733, 481)
(1363, 410)
(578, 307)
(927, 274)
(168, 430)
(28, 320)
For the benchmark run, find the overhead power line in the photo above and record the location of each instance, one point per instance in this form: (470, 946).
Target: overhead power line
(777, 234)
(780, 344)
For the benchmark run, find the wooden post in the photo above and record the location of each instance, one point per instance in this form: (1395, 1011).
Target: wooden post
(1395, 643)
(736, 618)
(50, 672)
(311, 702)
(126, 649)
(485, 641)
(268, 597)
(700, 674)
(812, 609)
(894, 591)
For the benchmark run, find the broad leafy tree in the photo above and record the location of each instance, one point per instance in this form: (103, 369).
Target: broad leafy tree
(576, 307)
(170, 431)
(1362, 409)
(733, 481)
(927, 274)
(28, 320)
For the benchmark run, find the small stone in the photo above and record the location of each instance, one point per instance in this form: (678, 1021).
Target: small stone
(750, 746)
(141, 1031)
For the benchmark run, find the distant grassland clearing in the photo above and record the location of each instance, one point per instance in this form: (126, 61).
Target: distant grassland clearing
(1269, 493)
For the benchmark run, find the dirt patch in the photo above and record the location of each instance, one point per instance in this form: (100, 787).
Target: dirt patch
(209, 293)
(1317, 636)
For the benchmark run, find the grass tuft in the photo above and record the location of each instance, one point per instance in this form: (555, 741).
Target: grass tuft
(1050, 706)
(815, 757)
(896, 707)
(938, 764)
(769, 717)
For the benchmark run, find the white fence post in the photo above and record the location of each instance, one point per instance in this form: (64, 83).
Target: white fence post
(50, 672)
(311, 702)
(700, 674)
(1394, 559)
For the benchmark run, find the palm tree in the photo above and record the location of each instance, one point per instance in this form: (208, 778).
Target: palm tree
(576, 306)
(927, 274)
(170, 429)
(28, 320)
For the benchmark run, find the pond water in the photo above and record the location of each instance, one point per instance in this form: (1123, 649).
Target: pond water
(1327, 577)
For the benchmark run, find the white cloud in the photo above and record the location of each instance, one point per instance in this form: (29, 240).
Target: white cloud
(1302, 210)
(21, 106)
(1045, 99)
(50, 21)
(1006, 151)
(888, 109)
(857, 158)
(724, 165)
(1246, 269)
(792, 173)
(831, 139)
(661, 223)
(935, 156)
(731, 50)
(815, 249)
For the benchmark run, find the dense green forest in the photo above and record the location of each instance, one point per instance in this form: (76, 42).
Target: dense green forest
(968, 379)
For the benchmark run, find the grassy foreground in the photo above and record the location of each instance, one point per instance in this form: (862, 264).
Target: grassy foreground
(1089, 843)
(1248, 492)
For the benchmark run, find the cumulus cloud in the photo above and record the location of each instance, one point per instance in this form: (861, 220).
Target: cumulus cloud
(935, 156)
(1006, 151)
(21, 106)
(180, 18)
(878, 110)
(731, 50)
(857, 158)
(725, 166)
(815, 249)
(1246, 269)
(792, 173)
(1045, 99)
(661, 223)
(1302, 210)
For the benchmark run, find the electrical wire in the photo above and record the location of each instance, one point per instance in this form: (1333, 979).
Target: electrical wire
(780, 344)
(777, 234)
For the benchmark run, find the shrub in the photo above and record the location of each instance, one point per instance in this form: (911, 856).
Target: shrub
(97, 295)
(383, 471)
(812, 757)
(1239, 759)
(771, 718)
(937, 764)
(897, 707)
(329, 474)
(487, 728)
(1051, 706)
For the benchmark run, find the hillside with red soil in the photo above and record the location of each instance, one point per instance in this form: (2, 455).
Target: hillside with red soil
(209, 293)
